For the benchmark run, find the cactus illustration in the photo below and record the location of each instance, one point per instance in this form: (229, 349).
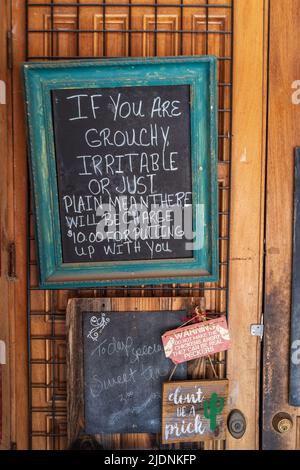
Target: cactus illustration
(216, 407)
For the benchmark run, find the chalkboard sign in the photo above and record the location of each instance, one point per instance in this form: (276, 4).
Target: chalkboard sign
(117, 365)
(123, 160)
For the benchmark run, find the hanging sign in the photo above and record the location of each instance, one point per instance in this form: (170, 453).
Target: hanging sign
(123, 158)
(194, 411)
(2, 362)
(197, 340)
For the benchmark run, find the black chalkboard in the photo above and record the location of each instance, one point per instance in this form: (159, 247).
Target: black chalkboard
(124, 368)
(119, 151)
(294, 390)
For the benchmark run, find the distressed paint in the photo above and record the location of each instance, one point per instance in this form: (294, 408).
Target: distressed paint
(197, 340)
(40, 79)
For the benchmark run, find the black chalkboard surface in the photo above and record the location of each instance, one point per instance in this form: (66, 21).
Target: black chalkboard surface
(119, 151)
(123, 370)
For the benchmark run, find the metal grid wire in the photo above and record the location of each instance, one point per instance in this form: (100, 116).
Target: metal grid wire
(106, 28)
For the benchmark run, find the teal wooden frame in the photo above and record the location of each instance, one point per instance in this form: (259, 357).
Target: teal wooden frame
(200, 74)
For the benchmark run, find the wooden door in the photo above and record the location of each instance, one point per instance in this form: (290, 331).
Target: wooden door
(234, 31)
(283, 137)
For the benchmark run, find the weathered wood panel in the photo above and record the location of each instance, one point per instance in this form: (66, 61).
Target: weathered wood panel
(247, 214)
(283, 136)
(48, 308)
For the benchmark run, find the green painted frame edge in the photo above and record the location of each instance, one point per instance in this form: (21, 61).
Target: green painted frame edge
(49, 270)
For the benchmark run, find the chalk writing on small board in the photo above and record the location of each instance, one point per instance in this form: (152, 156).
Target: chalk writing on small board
(194, 411)
(124, 369)
(123, 160)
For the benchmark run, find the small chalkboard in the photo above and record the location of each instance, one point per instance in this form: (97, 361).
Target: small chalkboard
(123, 158)
(117, 365)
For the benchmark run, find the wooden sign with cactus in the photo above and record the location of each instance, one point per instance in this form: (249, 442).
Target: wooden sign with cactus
(194, 411)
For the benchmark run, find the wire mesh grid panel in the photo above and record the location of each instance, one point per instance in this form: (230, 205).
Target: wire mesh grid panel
(122, 28)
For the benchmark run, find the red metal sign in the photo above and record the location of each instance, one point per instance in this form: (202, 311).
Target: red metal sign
(197, 340)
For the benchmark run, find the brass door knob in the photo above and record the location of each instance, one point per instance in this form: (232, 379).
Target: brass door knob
(282, 423)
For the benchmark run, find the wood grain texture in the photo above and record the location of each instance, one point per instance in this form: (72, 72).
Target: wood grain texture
(283, 136)
(52, 236)
(18, 222)
(246, 244)
(43, 303)
(247, 214)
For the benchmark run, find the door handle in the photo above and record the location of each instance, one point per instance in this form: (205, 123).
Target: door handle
(282, 423)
